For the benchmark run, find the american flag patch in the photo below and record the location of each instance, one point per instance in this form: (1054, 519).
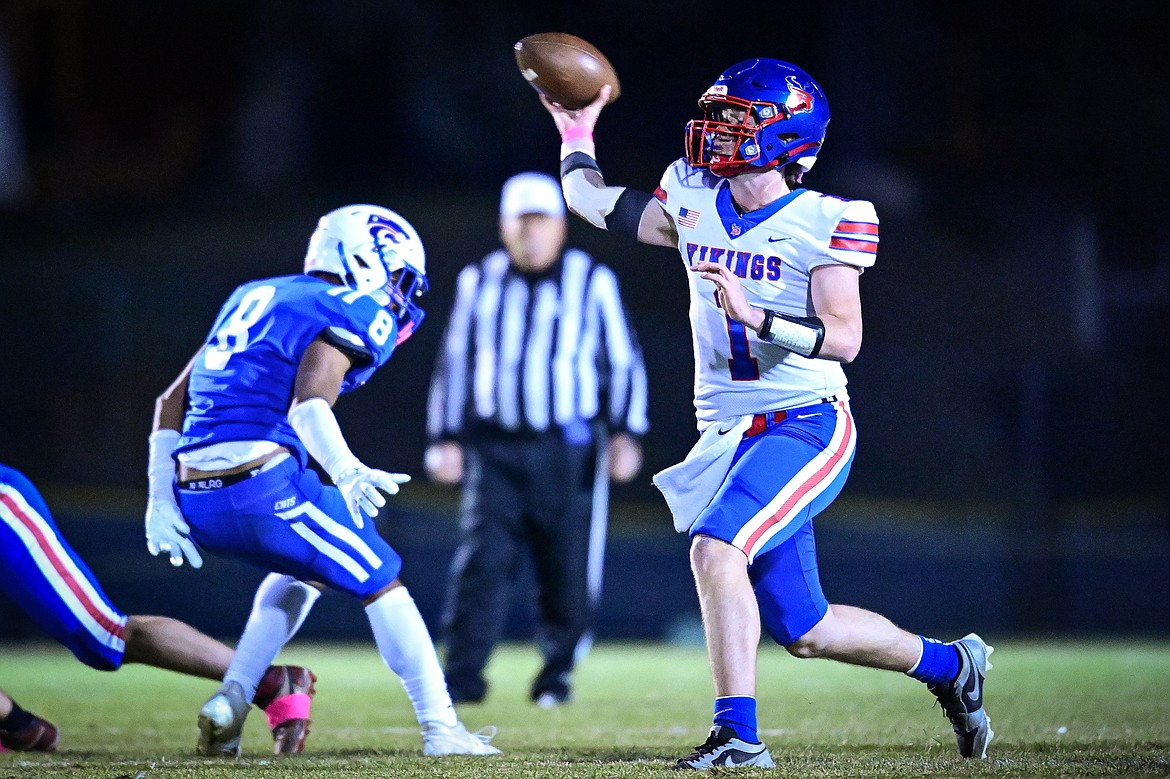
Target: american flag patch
(688, 218)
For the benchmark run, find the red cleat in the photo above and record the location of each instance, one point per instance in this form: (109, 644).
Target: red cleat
(286, 694)
(40, 736)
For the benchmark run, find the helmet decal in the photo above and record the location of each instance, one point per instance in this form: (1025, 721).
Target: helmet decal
(798, 100)
(384, 228)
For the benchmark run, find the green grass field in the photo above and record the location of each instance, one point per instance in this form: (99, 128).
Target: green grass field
(1058, 709)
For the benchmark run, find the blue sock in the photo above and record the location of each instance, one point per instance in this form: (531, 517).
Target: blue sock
(939, 663)
(737, 712)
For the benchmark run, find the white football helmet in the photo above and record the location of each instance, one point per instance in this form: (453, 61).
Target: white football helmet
(373, 250)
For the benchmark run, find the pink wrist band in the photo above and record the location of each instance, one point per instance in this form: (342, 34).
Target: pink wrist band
(576, 133)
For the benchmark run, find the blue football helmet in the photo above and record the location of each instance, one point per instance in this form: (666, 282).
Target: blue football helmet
(373, 250)
(759, 113)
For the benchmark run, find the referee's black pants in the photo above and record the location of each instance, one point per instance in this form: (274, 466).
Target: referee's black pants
(523, 494)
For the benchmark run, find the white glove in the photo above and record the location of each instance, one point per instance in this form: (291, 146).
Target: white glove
(359, 486)
(315, 424)
(166, 530)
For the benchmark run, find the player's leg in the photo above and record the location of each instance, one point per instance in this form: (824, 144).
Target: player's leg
(953, 672)
(856, 636)
(795, 613)
(23, 731)
(167, 643)
(731, 624)
(774, 478)
(478, 590)
(312, 538)
(558, 498)
(50, 579)
(279, 608)
(306, 544)
(283, 692)
(407, 649)
(45, 575)
(790, 600)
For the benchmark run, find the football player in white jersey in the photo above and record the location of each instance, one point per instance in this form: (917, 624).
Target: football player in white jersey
(775, 311)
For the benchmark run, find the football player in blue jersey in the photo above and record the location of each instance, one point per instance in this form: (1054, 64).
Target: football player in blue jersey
(46, 576)
(253, 405)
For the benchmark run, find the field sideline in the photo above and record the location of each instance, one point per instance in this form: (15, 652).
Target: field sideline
(1062, 709)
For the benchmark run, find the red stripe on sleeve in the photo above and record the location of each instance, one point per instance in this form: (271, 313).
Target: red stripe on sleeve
(857, 228)
(869, 247)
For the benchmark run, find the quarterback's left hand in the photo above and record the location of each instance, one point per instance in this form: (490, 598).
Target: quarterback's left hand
(730, 292)
(166, 531)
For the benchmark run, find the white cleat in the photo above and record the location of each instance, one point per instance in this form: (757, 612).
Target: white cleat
(221, 722)
(440, 739)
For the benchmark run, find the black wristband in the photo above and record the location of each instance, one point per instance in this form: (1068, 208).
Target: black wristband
(578, 159)
(766, 325)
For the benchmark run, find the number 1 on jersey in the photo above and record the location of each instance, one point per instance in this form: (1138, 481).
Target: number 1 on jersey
(743, 366)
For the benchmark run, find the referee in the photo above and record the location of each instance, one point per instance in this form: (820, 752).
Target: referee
(538, 398)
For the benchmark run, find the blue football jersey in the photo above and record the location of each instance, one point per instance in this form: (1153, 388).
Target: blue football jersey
(242, 384)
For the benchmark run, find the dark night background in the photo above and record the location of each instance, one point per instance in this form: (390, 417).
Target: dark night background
(1011, 392)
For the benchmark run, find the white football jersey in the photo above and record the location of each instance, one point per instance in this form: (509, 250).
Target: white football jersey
(773, 251)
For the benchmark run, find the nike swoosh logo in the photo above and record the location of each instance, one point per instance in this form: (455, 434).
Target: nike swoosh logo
(775, 240)
(729, 759)
(805, 416)
(728, 430)
(971, 690)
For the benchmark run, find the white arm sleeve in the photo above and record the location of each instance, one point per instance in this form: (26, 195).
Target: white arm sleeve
(160, 471)
(588, 201)
(317, 428)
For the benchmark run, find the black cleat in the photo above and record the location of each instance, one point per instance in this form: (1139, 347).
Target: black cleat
(962, 699)
(725, 749)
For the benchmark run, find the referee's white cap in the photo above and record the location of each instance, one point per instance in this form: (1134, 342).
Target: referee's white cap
(531, 193)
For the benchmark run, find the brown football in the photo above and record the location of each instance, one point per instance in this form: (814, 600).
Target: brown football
(565, 69)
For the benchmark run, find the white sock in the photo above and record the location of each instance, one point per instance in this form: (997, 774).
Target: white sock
(406, 646)
(278, 610)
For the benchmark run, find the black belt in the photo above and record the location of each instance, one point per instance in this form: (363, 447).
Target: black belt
(761, 422)
(217, 482)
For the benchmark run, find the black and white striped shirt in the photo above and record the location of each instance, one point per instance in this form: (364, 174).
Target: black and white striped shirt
(523, 352)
